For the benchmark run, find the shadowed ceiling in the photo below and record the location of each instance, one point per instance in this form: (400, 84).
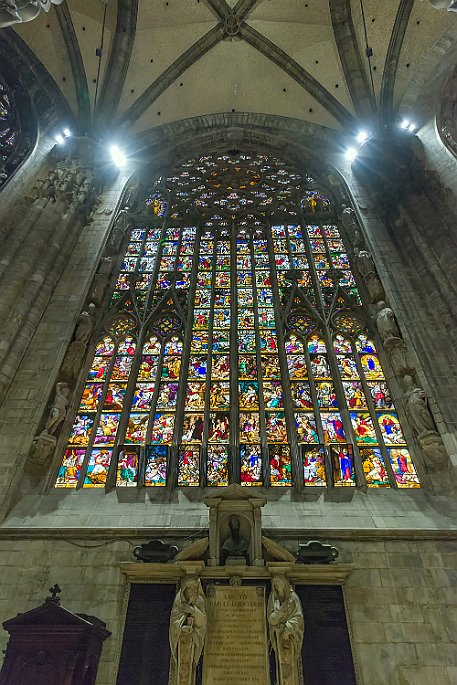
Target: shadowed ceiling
(143, 63)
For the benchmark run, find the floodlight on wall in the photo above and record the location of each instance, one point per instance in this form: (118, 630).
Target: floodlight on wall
(412, 128)
(351, 153)
(404, 124)
(67, 132)
(362, 136)
(118, 156)
(59, 139)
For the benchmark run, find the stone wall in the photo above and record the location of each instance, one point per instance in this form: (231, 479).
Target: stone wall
(401, 598)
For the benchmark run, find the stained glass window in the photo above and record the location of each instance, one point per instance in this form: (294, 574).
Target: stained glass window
(235, 346)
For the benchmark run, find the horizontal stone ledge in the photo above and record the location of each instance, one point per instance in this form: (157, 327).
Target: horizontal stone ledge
(323, 574)
(116, 534)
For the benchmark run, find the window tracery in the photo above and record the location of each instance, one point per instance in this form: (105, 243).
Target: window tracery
(236, 347)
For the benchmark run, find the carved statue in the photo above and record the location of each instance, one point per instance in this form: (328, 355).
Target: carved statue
(286, 628)
(364, 262)
(385, 322)
(20, 11)
(58, 409)
(398, 354)
(187, 631)
(121, 224)
(446, 5)
(71, 364)
(349, 219)
(235, 545)
(85, 324)
(101, 280)
(417, 408)
(131, 194)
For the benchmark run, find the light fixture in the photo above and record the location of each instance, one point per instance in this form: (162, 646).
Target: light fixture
(59, 139)
(66, 132)
(412, 128)
(404, 123)
(362, 137)
(351, 153)
(118, 156)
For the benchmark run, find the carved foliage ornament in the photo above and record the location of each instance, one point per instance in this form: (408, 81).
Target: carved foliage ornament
(20, 11)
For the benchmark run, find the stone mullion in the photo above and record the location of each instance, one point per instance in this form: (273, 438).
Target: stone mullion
(234, 470)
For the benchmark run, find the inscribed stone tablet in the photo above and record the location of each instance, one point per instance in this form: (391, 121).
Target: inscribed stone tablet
(236, 648)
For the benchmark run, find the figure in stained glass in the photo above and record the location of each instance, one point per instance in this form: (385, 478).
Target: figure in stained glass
(347, 366)
(218, 427)
(70, 468)
(167, 396)
(342, 459)
(332, 427)
(249, 395)
(272, 395)
(355, 396)
(221, 366)
(280, 465)
(193, 428)
(156, 466)
(362, 425)
(294, 345)
(221, 341)
(373, 468)
(319, 366)
(403, 468)
(314, 466)
(251, 464)
(247, 365)
(326, 396)
(197, 367)
(195, 396)
(171, 367)
(381, 395)
(390, 429)
(276, 429)
(189, 466)
(249, 427)
(217, 465)
(127, 467)
(97, 468)
(136, 429)
(162, 429)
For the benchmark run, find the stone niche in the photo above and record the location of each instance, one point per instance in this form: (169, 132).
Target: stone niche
(235, 607)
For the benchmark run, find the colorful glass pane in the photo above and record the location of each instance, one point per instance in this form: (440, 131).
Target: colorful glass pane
(363, 427)
(403, 468)
(97, 468)
(280, 465)
(155, 474)
(314, 466)
(374, 468)
(305, 423)
(127, 467)
(70, 468)
(391, 429)
(217, 465)
(332, 426)
(135, 433)
(251, 464)
(189, 466)
(342, 459)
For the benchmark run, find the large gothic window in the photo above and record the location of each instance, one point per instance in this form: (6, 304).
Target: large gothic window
(235, 346)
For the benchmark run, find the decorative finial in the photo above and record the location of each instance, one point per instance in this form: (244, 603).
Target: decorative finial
(54, 592)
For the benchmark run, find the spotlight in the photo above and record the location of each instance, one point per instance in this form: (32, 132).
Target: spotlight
(412, 128)
(67, 132)
(404, 123)
(118, 156)
(351, 154)
(59, 139)
(362, 137)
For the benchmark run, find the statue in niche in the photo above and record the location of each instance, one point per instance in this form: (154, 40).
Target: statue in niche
(121, 224)
(20, 11)
(235, 547)
(85, 324)
(446, 5)
(187, 631)
(417, 408)
(58, 409)
(101, 280)
(385, 322)
(364, 262)
(286, 629)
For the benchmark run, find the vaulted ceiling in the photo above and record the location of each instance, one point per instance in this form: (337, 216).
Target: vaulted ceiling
(143, 63)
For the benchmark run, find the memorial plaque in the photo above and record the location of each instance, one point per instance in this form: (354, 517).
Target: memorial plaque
(236, 648)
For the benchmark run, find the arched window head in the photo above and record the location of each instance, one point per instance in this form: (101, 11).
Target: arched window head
(235, 345)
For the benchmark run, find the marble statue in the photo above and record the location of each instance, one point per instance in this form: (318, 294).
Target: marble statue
(385, 322)
(286, 628)
(446, 5)
(85, 324)
(20, 11)
(364, 262)
(101, 280)
(417, 408)
(121, 224)
(235, 546)
(58, 409)
(187, 631)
